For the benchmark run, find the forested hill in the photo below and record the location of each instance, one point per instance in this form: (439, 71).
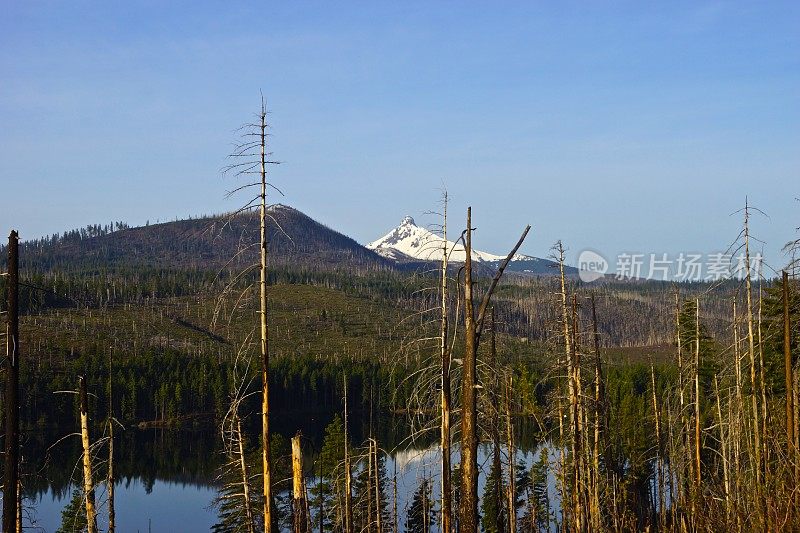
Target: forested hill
(214, 242)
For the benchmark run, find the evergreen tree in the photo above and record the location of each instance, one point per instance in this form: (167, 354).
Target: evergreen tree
(421, 512)
(364, 495)
(493, 512)
(328, 493)
(73, 516)
(532, 486)
(230, 509)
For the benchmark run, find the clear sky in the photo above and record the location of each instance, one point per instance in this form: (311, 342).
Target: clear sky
(619, 126)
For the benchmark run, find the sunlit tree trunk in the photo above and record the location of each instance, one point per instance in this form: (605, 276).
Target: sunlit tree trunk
(723, 439)
(512, 475)
(265, 433)
(110, 423)
(598, 420)
(697, 422)
(88, 483)
(788, 370)
(299, 515)
(446, 488)
(348, 471)
(248, 508)
(469, 419)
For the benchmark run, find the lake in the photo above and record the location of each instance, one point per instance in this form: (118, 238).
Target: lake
(167, 478)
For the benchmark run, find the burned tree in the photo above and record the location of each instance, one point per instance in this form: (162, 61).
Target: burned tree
(469, 420)
(11, 471)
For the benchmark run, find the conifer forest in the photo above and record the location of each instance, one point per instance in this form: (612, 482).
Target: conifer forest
(639, 405)
(250, 368)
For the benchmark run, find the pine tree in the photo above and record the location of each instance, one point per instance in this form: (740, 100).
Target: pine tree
(73, 516)
(532, 488)
(364, 496)
(493, 512)
(230, 511)
(421, 512)
(328, 494)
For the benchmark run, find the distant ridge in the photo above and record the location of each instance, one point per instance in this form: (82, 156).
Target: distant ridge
(206, 243)
(230, 241)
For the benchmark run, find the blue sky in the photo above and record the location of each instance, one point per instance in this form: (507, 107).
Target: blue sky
(617, 126)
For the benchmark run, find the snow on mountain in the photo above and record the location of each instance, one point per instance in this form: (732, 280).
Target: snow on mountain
(409, 241)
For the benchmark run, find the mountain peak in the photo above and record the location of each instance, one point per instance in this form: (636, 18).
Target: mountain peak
(409, 241)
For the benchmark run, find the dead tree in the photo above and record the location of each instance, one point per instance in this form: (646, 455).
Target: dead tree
(469, 418)
(248, 509)
(573, 387)
(348, 473)
(697, 442)
(88, 483)
(599, 421)
(473, 326)
(110, 424)
(446, 487)
(377, 484)
(787, 360)
(253, 160)
(512, 475)
(265, 434)
(659, 470)
(11, 471)
(299, 503)
(752, 349)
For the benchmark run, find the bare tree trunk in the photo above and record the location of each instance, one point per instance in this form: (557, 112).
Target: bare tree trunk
(598, 420)
(469, 420)
(19, 506)
(394, 506)
(697, 442)
(369, 490)
(723, 439)
(88, 484)
(562, 461)
(11, 399)
(248, 509)
(788, 370)
(446, 488)
(573, 403)
(752, 352)
(736, 431)
(299, 516)
(265, 434)
(659, 455)
(684, 427)
(796, 437)
(762, 384)
(512, 475)
(348, 472)
(110, 478)
(498, 481)
(378, 513)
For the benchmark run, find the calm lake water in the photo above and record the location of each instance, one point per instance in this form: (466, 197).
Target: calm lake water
(140, 507)
(167, 478)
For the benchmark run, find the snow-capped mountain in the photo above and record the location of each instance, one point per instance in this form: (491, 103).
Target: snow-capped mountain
(411, 242)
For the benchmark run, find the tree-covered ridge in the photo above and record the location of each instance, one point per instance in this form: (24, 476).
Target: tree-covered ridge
(205, 242)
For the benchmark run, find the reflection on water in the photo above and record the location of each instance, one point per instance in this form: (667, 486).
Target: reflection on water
(166, 477)
(140, 507)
